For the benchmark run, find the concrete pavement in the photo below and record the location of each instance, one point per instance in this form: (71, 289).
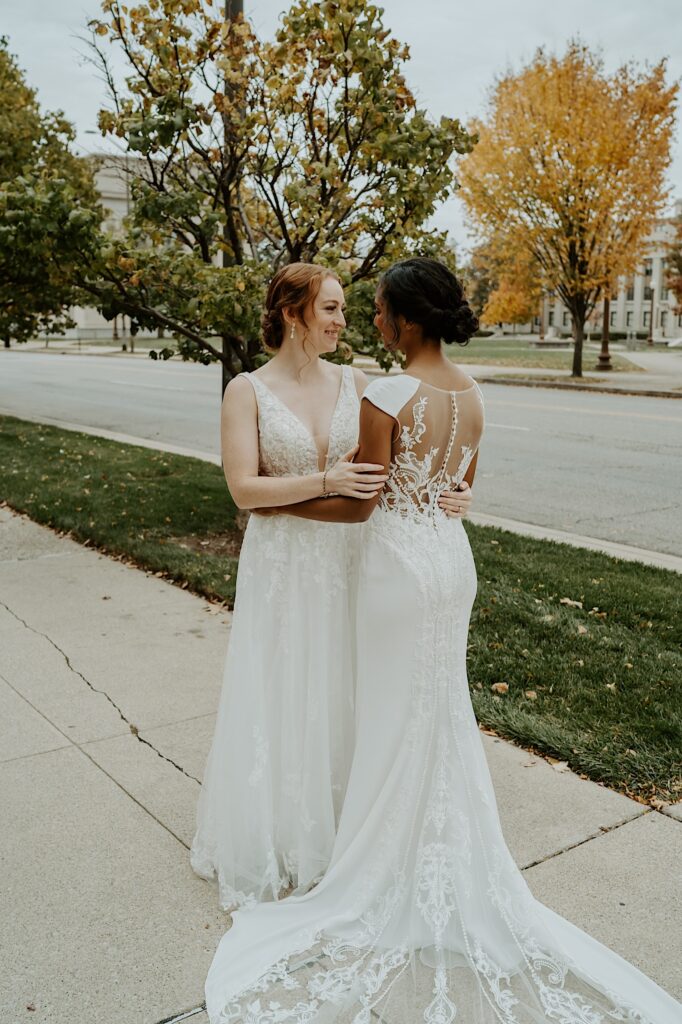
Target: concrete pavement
(109, 680)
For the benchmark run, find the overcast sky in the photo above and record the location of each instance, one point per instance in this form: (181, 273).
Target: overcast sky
(457, 50)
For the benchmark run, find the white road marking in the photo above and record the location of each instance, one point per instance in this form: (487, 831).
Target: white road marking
(505, 426)
(581, 409)
(139, 384)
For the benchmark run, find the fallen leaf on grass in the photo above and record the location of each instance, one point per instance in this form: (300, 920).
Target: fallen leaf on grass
(582, 630)
(531, 695)
(569, 603)
(611, 686)
(500, 687)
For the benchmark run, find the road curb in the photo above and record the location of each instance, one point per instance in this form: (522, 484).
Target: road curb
(559, 385)
(625, 552)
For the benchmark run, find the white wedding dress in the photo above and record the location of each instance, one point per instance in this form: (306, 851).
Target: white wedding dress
(278, 767)
(423, 915)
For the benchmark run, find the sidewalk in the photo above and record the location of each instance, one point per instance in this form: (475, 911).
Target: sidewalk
(109, 680)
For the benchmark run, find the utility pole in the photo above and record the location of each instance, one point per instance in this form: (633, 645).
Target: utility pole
(233, 10)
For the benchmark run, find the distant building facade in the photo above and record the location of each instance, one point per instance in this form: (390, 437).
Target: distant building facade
(114, 190)
(643, 299)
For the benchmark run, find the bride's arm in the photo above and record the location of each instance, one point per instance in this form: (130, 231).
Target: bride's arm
(376, 434)
(240, 458)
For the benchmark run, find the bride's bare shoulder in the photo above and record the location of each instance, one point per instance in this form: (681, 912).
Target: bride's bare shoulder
(361, 380)
(239, 393)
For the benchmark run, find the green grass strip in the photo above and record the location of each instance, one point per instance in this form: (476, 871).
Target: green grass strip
(594, 681)
(511, 351)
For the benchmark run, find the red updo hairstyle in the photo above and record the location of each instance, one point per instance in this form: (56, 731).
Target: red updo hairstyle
(293, 288)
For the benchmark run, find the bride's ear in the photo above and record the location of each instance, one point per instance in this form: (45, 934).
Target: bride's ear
(288, 317)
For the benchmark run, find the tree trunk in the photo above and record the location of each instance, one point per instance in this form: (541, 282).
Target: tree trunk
(578, 338)
(6, 342)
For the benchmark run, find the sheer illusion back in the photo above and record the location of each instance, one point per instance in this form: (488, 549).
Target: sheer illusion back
(437, 436)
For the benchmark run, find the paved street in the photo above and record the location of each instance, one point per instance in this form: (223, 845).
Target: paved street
(104, 733)
(600, 465)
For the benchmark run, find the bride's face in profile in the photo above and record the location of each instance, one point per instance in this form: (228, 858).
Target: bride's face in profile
(385, 325)
(325, 317)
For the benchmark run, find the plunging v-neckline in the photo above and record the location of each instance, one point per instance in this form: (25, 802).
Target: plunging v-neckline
(321, 458)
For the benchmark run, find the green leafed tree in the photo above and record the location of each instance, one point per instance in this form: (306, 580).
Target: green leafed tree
(49, 214)
(247, 154)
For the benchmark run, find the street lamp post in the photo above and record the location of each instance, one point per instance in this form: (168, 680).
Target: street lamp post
(233, 9)
(650, 339)
(604, 362)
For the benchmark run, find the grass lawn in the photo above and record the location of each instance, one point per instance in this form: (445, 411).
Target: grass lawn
(588, 649)
(510, 351)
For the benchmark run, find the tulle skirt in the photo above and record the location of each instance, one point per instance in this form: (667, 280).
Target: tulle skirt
(278, 767)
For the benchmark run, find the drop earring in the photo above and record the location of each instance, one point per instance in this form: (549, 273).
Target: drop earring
(292, 333)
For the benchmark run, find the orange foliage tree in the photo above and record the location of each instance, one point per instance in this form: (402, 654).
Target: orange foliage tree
(518, 291)
(571, 169)
(509, 304)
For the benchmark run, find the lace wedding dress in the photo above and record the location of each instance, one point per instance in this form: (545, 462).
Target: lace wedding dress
(278, 767)
(423, 915)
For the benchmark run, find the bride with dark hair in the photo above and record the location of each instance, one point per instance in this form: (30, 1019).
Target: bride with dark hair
(422, 915)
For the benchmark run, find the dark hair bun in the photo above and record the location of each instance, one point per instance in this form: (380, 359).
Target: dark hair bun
(458, 325)
(426, 292)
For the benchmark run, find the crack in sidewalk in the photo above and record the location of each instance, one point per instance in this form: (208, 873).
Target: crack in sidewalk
(182, 1016)
(132, 727)
(602, 831)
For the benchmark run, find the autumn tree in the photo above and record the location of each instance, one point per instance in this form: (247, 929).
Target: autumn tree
(516, 297)
(570, 169)
(47, 206)
(480, 278)
(247, 154)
